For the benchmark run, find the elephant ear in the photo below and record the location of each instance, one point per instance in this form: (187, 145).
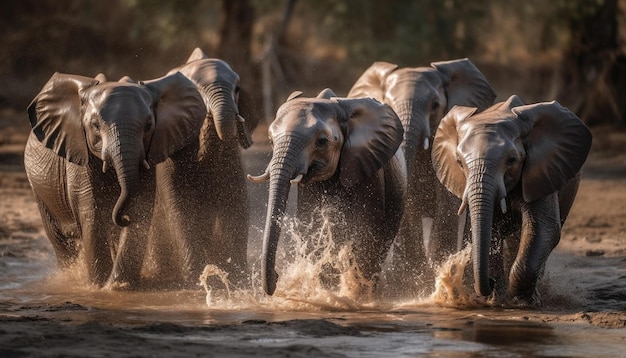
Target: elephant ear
(326, 93)
(370, 84)
(557, 146)
(56, 118)
(179, 114)
(465, 84)
(294, 94)
(374, 133)
(101, 78)
(445, 144)
(196, 55)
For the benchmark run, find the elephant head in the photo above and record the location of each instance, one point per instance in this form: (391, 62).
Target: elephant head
(322, 139)
(422, 95)
(219, 86)
(124, 125)
(531, 150)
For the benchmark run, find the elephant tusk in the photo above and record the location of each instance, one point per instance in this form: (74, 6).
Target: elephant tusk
(297, 179)
(426, 144)
(503, 205)
(105, 166)
(146, 165)
(241, 119)
(463, 207)
(259, 179)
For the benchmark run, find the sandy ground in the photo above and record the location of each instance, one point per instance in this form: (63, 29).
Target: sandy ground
(586, 275)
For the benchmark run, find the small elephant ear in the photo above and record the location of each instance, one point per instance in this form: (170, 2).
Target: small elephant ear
(294, 94)
(465, 84)
(557, 146)
(179, 112)
(370, 84)
(373, 136)
(127, 79)
(55, 115)
(444, 150)
(326, 93)
(101, 78)
(196, 55)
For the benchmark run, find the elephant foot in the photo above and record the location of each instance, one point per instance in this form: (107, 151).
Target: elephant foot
(529, 301)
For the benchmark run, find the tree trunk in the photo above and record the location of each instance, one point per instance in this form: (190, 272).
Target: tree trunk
(593, 71)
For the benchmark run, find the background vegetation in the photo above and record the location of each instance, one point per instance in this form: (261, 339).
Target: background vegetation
(569, 50)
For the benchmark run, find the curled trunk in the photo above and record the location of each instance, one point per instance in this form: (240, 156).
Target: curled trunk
(224, 111)
(126, 164)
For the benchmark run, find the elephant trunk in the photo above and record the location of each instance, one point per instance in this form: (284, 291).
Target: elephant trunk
(480, 194)
(223, 108)
(126, 164)
(282, 169)
(416, 128)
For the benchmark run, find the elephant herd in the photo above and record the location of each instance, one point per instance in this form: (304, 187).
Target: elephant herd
(130, 169)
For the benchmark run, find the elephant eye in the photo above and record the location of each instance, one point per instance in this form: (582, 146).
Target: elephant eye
(148, 126)
(459, 162)
(321, 142)
(434, 105)
(511, 161)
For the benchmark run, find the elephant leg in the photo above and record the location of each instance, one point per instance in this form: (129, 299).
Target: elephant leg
(541, 231)
(132, 246)
(449, 228)
(64, 243)
(232, 230)
(97, 253)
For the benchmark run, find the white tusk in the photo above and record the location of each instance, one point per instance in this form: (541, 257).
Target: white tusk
(146, 165)
(240, 118)
(259, 179)
(105, 166)
(503, 205)
(426, 144)
(463, 207)
(297, 179)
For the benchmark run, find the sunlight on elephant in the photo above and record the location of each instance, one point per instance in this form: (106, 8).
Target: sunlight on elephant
(81, 127)
(421, 96)
(201, 216)
(517, 168)
(343, 154)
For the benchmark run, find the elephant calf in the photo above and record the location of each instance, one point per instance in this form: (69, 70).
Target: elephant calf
(343, 153)
(83, 126)
(517, 168)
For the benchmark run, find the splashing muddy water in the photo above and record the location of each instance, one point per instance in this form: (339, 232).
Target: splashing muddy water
(44, 311)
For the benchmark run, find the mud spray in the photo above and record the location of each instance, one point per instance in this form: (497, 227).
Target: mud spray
(303, 265)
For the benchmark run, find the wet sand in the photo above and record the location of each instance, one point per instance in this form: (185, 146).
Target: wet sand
(47, 313)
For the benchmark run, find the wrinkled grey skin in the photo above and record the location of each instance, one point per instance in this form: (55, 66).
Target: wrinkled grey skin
(87, 159)
(202, 210)
(421, 96)
(344, 153)
(517, 168)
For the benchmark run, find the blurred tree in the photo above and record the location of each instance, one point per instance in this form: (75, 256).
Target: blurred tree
(593, 77)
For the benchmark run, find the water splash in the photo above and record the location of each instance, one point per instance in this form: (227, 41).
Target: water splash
(450, 287)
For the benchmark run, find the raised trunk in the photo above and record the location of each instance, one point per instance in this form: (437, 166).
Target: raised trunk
(481, 193)
(282, 169)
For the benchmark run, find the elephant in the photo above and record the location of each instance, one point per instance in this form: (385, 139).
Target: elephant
(517, 168)
(202, 200)
(343, 153)
(81, 127)
(421, 96)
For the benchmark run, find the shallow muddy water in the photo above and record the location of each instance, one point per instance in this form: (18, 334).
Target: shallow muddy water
(47, 312)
